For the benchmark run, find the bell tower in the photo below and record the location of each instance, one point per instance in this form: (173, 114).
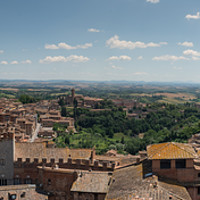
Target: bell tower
(73, 94)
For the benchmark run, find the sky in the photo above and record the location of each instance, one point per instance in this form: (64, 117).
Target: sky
(100, 40)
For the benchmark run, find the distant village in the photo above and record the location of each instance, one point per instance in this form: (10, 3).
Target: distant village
(27, 121)
(33, 168)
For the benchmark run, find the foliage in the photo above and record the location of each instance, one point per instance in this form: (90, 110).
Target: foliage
(164, 123)
(24, 98)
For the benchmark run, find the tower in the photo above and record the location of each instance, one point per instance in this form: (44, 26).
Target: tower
(73, 95)
(7, 152)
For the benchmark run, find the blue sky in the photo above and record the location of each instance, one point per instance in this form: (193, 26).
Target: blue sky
(136, 40)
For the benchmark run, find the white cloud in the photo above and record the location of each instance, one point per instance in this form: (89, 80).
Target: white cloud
(114, 42)
(14, 62)
(51, 46)
(169, 58)
(177, 68)
(191, 52)
(140, 57)
(4, 62)
(195, 58)
(197, 16)
(26, 62)
(139, 73)
(153, 1)
(123, 57)
(186, 44)
(116, 67)
(1, 51)
(63, 45)
(93, 30)
(71, 58)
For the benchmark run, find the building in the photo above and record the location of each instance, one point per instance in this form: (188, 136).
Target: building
(178, 163)
(91, 185)
(20, 192)
(52, 170)
(129, 183)
(7, 149)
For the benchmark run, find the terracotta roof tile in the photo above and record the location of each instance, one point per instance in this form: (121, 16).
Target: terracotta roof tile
(92, 182)
(128, 184)
(171, 150)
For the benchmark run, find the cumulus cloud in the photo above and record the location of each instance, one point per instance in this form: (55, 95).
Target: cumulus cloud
(115, 67)
(186, 44)
(63, 45)
(140, 57)
(4, 62)
(197, 16)
(177, 68)
(71, 58)
(153, 1)
(190, 52)
(93, 30)
(1, 51)
(114, 42)
(123, 57)
(14, 62)
(139, 73)
(169, 58)
(26, 62)
(51, 46)
(195, 58)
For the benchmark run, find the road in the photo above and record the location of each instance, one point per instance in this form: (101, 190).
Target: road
(35, 133)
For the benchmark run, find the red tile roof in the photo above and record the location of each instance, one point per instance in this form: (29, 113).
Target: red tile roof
(171, 150)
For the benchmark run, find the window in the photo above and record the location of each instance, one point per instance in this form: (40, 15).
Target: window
(27, 181)
(2, 162)
(23, 195)
(181, 163)
(165, 164)
(49, 181)
(95, 196)
(12, 196)
(198, 190)
(3, 181)
(17, 181)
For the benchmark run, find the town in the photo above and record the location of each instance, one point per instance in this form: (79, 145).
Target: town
(33, 166)
(99, 100)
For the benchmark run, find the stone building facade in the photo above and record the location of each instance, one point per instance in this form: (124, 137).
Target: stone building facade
(7, 149)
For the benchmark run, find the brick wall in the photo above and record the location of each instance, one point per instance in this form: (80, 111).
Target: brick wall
(188, 174)
(57, 182)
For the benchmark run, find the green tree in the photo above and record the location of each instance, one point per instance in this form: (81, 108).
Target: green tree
(63, 111)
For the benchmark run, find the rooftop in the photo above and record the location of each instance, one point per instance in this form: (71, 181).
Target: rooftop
(92, 182)
(128, 184)
(171, 150)
(40, 150)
